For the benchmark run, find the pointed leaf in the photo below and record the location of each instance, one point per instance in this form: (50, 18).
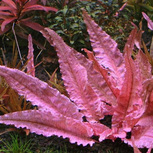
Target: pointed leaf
(131, 39)
(7, 9)
(30, 64)
(106, 51)
(143, 129)
(130, 103)
(134, 39)
(7, 21)
(114, 92)
(75, 78)
(48, 124)
(143, 65)
(7, 28)
(39, 93)
(150, 23)
(100, 84)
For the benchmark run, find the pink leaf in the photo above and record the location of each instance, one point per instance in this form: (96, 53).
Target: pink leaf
(7, 21)
(124, 97)
(4, 14)
(150, 23)
(75, 78)
(101, 130)
(143, 135)
(142, 130)
(149, 150)
(99, 85)
(39, 7)
(39, 93)
(48, 124)
(31, 24)
(5, 30)
(30, 64)
(134, 39)
(4, 8)
(143, 65)
(106, 51)
(130, 103)
(10, 3)
(111, 92)
(148, 97)
(108, 84)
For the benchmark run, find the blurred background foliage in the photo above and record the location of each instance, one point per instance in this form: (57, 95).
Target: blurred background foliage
(139, 6)
(68, 21)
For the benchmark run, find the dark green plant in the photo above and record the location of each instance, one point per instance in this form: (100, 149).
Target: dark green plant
(69, 24)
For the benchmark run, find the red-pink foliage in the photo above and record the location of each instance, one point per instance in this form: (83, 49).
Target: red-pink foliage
(30, 64)
(14, 11)
(109, 83)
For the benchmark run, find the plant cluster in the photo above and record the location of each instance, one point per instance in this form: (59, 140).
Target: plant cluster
(15, 12)
(68, 21)
(17, 16)
(104, 82)
(108, 82)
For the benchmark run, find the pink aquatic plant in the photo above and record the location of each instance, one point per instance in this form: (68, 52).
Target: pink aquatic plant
(108, 82)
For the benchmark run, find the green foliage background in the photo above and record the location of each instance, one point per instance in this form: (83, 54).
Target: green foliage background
(68, 21)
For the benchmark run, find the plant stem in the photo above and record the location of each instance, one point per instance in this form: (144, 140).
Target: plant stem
(17, 43)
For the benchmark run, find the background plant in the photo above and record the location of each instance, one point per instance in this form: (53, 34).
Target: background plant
(140, 6)
(68, 22)
(16, 15)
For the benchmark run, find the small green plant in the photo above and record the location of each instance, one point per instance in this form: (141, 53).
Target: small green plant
(16, 145)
